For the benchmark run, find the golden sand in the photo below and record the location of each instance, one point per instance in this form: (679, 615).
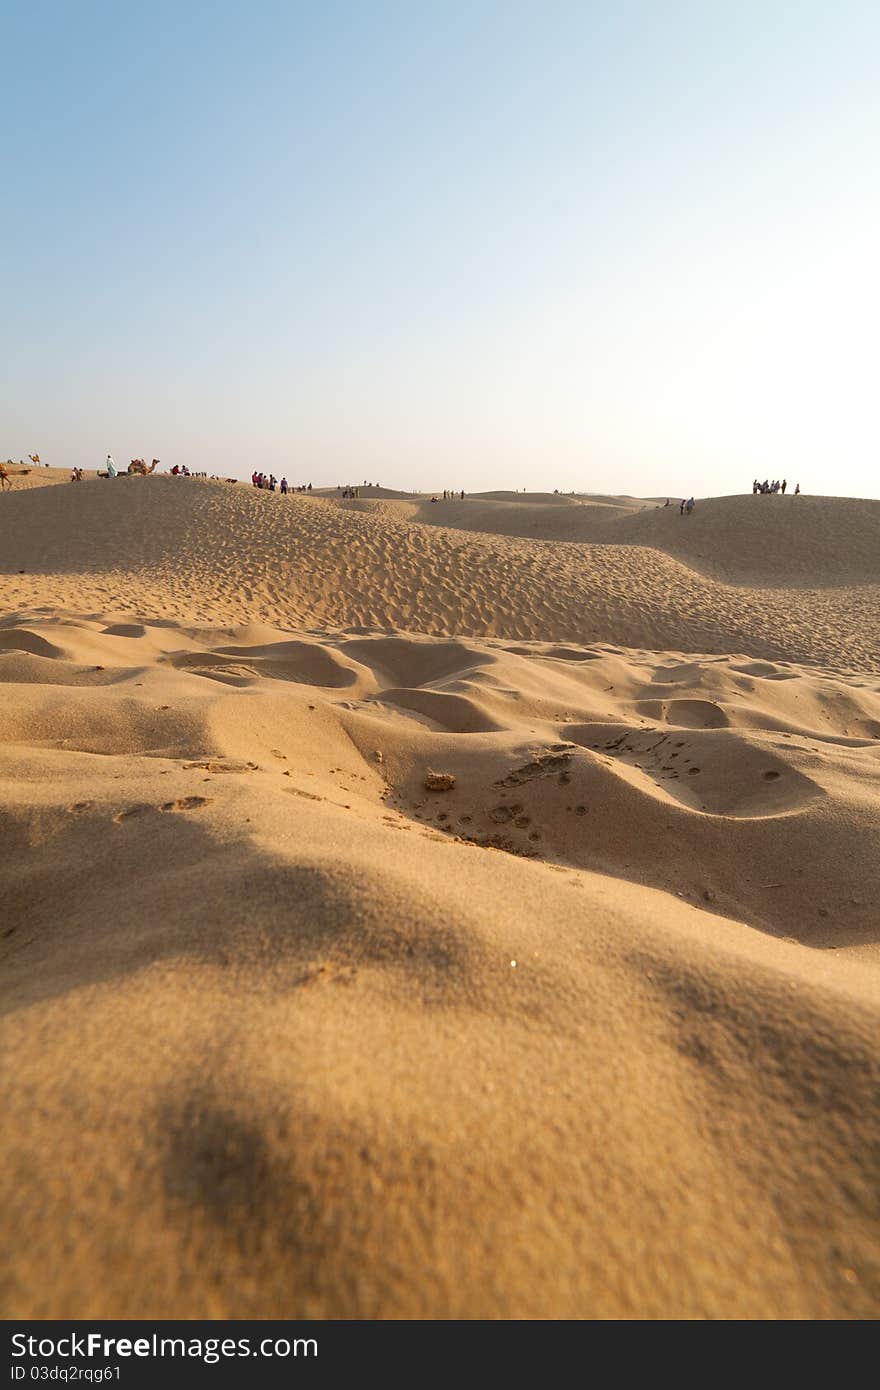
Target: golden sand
(587, 1029)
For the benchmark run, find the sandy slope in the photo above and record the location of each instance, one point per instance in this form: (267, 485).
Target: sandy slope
(224, 552)
(770, 541)
(593, 1033)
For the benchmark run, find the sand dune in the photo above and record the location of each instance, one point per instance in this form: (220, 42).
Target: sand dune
(590, 1033)
(768, 541)
(214, 552)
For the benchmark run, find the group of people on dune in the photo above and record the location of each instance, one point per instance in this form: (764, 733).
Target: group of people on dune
(141, 468)
(775, 486)
(686, 506)
(269, 482)
(353, 491)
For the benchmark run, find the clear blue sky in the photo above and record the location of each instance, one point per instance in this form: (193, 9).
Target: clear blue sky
(629, 246)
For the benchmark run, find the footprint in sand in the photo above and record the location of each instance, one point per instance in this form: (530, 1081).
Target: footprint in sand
(298, 791)
(129, 812)
(185, 803)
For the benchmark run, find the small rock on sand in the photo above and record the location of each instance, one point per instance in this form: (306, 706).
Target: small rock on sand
(439, 781)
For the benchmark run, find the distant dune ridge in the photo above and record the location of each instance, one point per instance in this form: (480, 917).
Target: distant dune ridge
(591, 1033)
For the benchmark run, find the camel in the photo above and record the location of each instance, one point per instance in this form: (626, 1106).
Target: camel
(6, 473)
(139, 466)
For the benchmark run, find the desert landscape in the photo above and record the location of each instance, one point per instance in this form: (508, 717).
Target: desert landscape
(457, 909)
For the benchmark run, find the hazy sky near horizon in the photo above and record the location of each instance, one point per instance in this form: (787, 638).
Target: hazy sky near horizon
(619, 247)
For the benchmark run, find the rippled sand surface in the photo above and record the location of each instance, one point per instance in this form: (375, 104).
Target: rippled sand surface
(458, 909)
